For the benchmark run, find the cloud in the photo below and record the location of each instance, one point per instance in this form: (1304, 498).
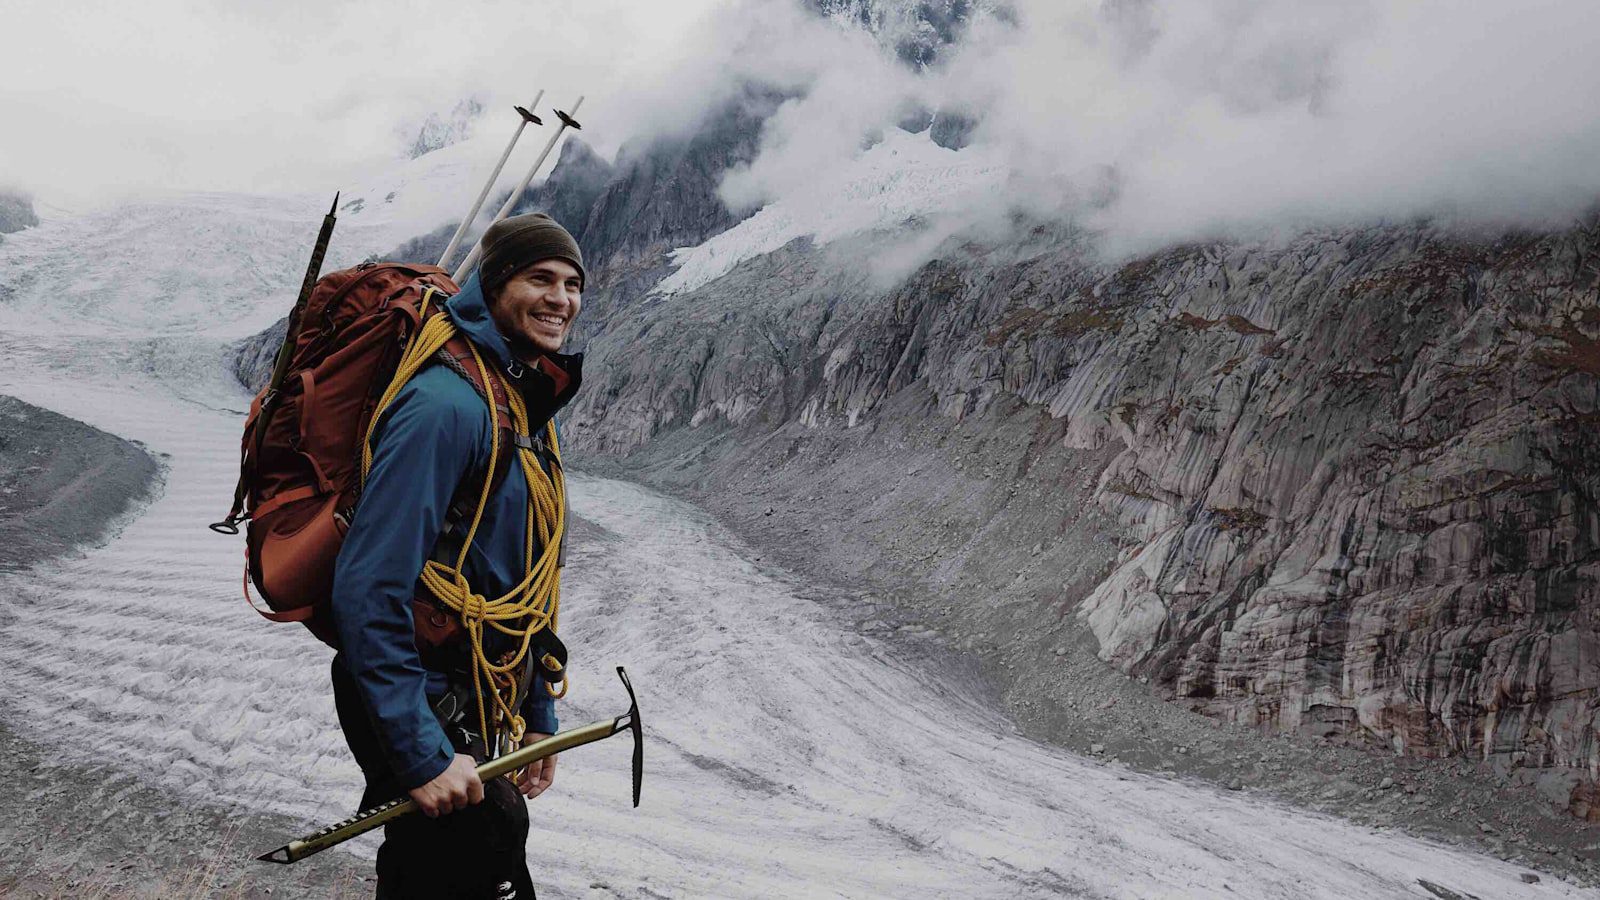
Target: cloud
(1149, 120)
(104, 99)
(1162, 120)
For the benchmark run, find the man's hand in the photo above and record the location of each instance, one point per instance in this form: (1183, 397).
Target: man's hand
(538, 774)
(455, 788)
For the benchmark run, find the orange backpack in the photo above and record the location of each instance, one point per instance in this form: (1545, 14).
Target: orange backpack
(300, 460)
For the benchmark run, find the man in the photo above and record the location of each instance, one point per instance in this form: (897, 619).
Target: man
(410, 715)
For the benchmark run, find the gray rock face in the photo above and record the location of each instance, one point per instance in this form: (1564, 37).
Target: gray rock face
(579, 178)
(16, 212)
(1348, 481)
(255, 357)
(662, 195)
(947, 128)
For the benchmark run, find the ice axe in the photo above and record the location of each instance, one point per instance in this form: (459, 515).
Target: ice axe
(280, 370)
(368, 819)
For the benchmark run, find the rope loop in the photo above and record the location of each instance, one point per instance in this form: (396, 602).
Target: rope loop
(532, 604)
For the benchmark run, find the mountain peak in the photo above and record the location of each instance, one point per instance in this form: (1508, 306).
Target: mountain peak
(437, 132)
(916, 29)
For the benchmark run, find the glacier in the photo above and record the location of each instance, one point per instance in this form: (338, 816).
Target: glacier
(787, 756)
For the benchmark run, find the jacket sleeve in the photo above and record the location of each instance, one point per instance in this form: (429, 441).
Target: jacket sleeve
(539, 708)
(421, 450)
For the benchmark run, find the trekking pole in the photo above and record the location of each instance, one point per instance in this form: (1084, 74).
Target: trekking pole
(494, 176)
(366, 820)
(280, 368)
(567, 121)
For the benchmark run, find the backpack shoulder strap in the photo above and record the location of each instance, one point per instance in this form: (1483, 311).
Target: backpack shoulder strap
(456, 355)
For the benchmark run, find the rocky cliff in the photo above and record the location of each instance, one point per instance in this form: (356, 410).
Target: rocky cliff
(916, 30)
(1343, 485)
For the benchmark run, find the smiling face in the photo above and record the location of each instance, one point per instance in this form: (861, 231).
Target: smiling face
(536, 307)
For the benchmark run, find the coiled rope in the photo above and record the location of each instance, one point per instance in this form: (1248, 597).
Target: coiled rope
(532, 604)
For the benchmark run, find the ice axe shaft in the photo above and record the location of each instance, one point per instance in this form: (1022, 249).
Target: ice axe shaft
(368, 819)
(567, 121)
(524, 118)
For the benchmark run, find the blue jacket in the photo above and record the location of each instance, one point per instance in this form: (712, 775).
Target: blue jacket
(436, 433)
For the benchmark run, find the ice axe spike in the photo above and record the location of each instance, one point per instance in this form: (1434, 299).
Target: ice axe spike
(368, 819)
(527, 117)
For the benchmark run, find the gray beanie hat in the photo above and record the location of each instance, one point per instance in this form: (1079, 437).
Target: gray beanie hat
(511, 245)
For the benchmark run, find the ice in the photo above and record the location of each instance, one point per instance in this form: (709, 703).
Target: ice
(905, 176)
(786, 756)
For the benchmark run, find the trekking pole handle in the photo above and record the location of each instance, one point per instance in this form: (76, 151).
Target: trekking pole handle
(472, 214)
(567, 121)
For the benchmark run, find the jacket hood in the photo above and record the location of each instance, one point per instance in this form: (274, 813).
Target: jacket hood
(547, 383)
(469, 309)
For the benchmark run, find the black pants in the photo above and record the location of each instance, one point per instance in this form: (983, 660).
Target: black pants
(473, 853)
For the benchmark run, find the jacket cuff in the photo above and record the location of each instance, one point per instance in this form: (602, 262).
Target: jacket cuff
(428, 768)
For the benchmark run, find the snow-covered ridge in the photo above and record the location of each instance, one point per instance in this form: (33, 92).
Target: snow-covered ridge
(903, 177)
(915, 29)
(437, 132)
(400, 199)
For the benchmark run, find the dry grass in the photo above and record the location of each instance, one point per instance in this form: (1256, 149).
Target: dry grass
(209, 878)
(141, 844)
(1445, 266)
(1239, 518)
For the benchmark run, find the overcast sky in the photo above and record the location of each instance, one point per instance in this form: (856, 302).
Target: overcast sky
(173, 94)
(1156, 119)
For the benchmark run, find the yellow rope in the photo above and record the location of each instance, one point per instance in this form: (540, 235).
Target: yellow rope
(534, 602)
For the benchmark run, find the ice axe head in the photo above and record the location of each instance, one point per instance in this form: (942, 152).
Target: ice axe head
(630, 720)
